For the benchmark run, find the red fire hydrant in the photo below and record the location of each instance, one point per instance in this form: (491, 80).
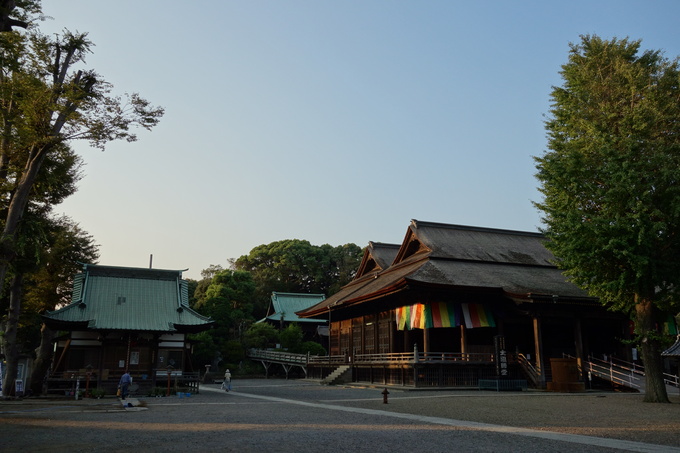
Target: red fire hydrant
(384, 394)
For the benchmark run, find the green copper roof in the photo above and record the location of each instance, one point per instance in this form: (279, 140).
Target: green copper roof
(123, 298)
(285, 305)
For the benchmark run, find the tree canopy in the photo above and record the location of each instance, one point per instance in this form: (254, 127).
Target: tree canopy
(47, 100)
(610, 183)
(227, 298)
(297, 266)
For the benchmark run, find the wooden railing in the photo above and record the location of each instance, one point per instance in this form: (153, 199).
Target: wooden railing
(278, 356)
(69, 380)
(385, 358)
(424, 357)
(328, 359)
(529, 370)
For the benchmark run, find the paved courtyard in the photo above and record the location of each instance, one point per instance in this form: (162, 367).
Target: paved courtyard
(281, 416)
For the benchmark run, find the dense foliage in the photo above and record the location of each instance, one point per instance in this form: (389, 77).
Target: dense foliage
(610, 181)
(227, 298)
(296, 266)
(47, 100)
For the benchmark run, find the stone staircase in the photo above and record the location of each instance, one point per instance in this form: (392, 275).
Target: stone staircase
(341, 374)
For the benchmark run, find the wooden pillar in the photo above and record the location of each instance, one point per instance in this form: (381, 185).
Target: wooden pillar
(538, 346)
(463, 341)
(407, 341)
(392, 331)
(578, 343)
(500, 324)
(154, 354)
(376, 333)
(426, 340)
(100, 368)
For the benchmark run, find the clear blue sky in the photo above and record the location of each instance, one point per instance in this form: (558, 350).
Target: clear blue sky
(330, 121)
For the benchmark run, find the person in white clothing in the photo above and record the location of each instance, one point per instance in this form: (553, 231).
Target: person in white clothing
(226, 384)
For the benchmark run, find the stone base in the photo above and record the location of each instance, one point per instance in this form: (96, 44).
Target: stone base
(566, 387)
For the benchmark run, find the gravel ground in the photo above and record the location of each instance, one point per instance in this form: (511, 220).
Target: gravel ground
(258, 416)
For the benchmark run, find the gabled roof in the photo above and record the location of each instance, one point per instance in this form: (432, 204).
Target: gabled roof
(130, 299)
(459, 257)
(284, 306)
(378, 256)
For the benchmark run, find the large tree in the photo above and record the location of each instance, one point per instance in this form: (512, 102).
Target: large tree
(610, 181)
(297, 266)
(15, 13)
(48, 100)
(227, 298)
(50, 286)
(45, 102)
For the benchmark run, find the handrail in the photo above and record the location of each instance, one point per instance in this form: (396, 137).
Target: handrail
(73, 375)
(281, 356)
(618, 374)
(329, 359)
(615, 373)
(529, 367)
(412, 357)
(391, 358)
(669, 379)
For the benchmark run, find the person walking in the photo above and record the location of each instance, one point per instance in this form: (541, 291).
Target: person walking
(226, 384)
(124, 384)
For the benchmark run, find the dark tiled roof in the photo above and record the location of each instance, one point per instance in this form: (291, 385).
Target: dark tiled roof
(462, 257)
(673, 351)
(378, 256)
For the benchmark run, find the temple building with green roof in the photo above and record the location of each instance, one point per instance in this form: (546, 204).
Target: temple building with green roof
(124, 318)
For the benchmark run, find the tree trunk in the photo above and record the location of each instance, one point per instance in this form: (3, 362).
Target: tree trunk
(650, 346)
(41, 365)
(11, 348)
(17, 207)
(15, 212)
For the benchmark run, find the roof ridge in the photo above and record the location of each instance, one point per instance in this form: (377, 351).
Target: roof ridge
(452, 226)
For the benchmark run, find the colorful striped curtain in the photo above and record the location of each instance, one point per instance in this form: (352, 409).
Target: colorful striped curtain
(476, 315)
(443, 314)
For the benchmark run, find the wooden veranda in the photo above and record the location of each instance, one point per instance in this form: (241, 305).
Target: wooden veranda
(411, 369)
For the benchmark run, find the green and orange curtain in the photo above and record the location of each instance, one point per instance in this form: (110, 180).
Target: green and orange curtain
(443, 314)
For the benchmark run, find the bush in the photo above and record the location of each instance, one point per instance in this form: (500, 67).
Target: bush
(261, 336)
(233, 352)
(97, 393)
(291, 337)
(312, 347)
(158, 391)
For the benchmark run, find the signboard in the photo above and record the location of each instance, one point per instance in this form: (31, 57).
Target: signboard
(501, 356)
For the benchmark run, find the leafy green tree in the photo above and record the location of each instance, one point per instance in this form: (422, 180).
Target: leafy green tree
(291, 337)
(228, 300)
(297, 266)
(47, 101)
(234, 354)
(611, 184)
(16, 13)
(312, 347)
(42, 275)
(203, 352)
(51, 286)
(37, 236)
(261, 336)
